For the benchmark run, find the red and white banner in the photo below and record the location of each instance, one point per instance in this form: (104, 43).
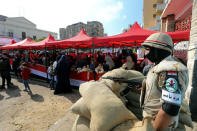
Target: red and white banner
(76, 78)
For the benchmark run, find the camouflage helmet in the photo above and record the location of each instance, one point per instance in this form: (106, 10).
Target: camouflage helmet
(159, 40)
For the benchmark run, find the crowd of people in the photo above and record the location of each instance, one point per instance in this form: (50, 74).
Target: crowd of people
(59, 65)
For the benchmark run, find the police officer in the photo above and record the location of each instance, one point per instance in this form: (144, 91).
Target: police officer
(166, 83)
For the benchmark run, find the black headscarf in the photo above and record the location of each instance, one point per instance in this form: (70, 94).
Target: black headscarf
(63, 70)
(62, 65)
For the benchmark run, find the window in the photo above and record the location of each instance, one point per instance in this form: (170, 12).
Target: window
(10, 34)
(23, 35)
(34, 37)
(154, 5)
(154, 15)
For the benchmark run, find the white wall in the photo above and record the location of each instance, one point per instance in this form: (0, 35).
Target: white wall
(20, 24)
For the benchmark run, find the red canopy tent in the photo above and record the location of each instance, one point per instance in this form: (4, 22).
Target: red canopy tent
(12, 42)
(18, 44)
(136, 35)
(6, 40)
(80, 39)
(133, 37)
(38, 45)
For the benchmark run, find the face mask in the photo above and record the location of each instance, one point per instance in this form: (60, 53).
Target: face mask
(152, 55)
(157, 55)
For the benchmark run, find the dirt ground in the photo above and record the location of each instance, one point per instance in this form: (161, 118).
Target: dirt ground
(20, 111)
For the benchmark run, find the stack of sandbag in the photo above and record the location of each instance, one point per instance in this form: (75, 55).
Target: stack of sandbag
(133, 97)
(100, 109)
(100, 106)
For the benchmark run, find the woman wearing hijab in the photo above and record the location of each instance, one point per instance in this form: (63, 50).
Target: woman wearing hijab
(62, 72)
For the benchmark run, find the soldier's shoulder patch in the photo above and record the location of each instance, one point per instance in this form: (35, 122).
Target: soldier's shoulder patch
(171, 92)
(171, 82)
(171, 85)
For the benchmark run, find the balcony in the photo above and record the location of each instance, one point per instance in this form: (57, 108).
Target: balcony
(158, 18)
(160, 7)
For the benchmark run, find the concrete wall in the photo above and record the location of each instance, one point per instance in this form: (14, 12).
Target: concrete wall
(192, 63)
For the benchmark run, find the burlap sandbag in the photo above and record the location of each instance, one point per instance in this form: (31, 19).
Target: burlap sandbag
(125, 126)
(81, 124)
(145, 125)
(121, 73)
(106, 109)
(81, 109)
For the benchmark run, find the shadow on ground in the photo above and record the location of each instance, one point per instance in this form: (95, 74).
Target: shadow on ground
(73, 96)
(13, 91)
(37, 97)
(1, 97)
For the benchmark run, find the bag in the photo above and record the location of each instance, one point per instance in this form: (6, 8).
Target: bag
(106, 109)
(81, 109)
(81, 124)
(132, 125)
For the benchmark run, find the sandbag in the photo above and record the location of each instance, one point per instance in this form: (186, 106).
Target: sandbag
(81, 109)
(124, 126)
(117, 87)
(106, 109)
(145, 125)
(81, 124)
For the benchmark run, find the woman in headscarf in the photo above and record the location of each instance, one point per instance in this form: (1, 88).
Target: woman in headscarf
(62, 72)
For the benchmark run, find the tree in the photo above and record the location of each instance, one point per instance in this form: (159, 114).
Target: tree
(40, 39)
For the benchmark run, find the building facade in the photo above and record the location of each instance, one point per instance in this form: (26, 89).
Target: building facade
(177, 16)
(92, 28)
(152, 11)
(20, 28)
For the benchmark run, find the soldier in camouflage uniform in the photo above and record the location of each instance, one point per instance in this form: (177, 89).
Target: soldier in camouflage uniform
(166, 83)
